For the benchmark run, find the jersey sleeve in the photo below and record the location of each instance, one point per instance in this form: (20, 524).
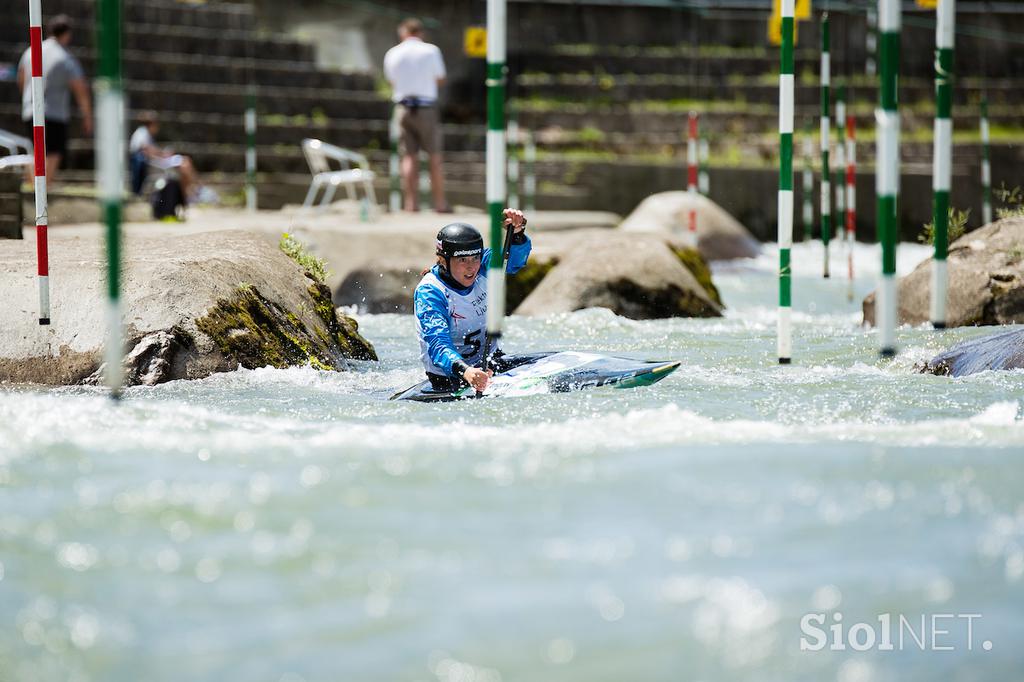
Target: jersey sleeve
(518, 255)
(434, 326)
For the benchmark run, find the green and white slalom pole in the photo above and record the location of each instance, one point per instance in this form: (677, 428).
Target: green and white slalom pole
(513, 162)
(871, 42)
(250, 149)
(110, 175)
(942, 156)
(394, 172)
(840, 177)
(826, 135)
(35, 30)
(986, 166)
(808, 199)
(496, 191)
(785, 216)
(887, 173)
(424, 181)
(530, 179)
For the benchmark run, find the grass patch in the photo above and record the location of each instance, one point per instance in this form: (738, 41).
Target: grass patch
(957, 225)
(296, 250)
(1014, 200)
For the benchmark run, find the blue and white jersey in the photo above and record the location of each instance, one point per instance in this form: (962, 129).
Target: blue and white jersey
(452, 323)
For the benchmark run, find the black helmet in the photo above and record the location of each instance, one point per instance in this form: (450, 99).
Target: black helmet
(459, 239)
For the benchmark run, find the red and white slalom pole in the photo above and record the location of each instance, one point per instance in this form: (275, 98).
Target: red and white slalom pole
(35, 32)
(691, 184)
(851, 198)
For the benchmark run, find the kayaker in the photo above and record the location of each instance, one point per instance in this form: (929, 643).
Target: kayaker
(450, 303)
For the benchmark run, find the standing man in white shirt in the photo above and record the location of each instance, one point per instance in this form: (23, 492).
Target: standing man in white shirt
(415, 70)
(62, 77)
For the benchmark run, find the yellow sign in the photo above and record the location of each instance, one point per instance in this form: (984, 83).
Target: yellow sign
(928, 4)
(475, 42)
(802, 11)
(775, 30)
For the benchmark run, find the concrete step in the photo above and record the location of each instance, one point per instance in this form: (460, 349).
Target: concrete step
(675, 60)
(276, 190)
(721, 119)
(183, 39)
(607, 89)
(175, 67)
(210, 15)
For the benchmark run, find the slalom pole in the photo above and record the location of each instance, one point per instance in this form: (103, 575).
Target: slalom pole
(35, 32)
(887, 176)
(840, 177)
(250, 149)
(871, 42)
(826, 133)
(942, 157)
(394, 174)
(808, 200)
(496, 191)
(110, 173)
(785, 216)
(250, 128)
(986, 165)
(513, 162)
(691, 177)
(703, 178)
(851, 199)
(424, 180)
(530, 180)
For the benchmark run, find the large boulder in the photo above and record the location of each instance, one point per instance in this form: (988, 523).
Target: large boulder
(383, 288)
(986, 280)
(636, 276)
(719, 235)
(380, 288)
(998, 351)
(193, 304)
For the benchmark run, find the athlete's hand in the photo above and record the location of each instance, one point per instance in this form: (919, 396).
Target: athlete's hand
(515, 218)
(477, 378)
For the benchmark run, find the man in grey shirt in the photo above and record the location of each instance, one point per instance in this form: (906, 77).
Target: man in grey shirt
(62, 77)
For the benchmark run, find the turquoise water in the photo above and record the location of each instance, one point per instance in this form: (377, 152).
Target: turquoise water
(294, 525)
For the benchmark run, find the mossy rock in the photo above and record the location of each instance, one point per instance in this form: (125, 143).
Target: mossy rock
(698, 267)
(254, 331)
(519, 285)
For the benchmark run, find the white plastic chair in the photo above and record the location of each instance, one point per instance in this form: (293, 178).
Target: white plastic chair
(354, 171)
(14, 144)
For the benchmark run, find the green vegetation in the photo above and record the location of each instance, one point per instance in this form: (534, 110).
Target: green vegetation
(1014, 200)
(253, 331)
(296, 250)
(590, 135)
(698, 267)
(521, 284)
(957, 227)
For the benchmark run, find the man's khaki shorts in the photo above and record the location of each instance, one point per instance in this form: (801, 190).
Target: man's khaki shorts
(420, 129)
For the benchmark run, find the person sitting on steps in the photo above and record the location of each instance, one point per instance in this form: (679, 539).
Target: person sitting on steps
(144, 152)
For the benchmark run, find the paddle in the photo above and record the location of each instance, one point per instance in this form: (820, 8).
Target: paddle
(506, 249)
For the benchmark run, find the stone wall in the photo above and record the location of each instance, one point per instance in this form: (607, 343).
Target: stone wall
(10, 204)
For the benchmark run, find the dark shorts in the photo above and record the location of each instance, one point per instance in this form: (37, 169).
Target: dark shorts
(419, 129)
(56, 137)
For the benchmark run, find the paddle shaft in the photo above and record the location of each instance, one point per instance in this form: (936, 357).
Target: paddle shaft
(490, 339)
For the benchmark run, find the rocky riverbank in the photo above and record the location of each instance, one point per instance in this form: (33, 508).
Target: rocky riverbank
(193, 304)
(986, 280)
(216, 292)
